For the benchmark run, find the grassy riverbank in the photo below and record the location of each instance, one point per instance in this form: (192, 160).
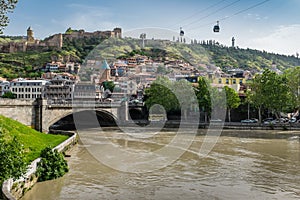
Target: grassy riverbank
(32, 140)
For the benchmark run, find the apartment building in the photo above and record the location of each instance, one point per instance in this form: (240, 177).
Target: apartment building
(58, 90)
(27, 89)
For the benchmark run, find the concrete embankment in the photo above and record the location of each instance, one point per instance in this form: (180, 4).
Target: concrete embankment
(13, 190)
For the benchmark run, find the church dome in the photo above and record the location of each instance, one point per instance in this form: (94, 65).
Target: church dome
(105, 65)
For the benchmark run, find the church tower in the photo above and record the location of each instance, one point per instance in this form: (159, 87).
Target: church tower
(104, 72)
(30, 37)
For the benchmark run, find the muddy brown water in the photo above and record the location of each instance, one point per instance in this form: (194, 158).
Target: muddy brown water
(236, 168)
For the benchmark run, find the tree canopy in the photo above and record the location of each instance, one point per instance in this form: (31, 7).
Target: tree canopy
(7, 6)
(160, 93)
(293, 80)
(271, 91)
(12, 163)
(232, 100)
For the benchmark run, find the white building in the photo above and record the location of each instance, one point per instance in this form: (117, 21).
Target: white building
(59, 89)
(4, 87)
(27, 89)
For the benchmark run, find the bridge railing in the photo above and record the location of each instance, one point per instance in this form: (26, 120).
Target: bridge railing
(79, 103)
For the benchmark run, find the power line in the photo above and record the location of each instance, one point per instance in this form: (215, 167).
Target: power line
(237, 13)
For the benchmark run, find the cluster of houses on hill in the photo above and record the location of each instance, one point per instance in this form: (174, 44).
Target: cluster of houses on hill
(130, 77)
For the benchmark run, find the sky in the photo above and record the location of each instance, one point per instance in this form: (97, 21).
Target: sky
(273, 26)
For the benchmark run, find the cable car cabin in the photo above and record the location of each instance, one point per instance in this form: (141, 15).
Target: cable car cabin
(181, 33)
(216, 28)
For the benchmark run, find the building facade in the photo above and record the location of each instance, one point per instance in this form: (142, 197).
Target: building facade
(28, 89)
(58, 90)
(4, 87)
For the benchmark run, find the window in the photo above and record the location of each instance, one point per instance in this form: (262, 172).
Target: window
(234, 81)
(241, 81)
(220, 81)
(227, 81)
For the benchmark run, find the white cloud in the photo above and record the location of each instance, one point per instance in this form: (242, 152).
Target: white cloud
(284, 40)
(255, 16)
(87, 17)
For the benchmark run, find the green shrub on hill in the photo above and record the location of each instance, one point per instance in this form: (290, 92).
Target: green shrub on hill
(52, 165)
(13, 162)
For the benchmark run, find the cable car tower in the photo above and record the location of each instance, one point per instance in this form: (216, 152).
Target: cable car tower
(143, 37)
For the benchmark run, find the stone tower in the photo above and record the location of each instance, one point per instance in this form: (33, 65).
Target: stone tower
(30, 37)
(60, 40)
(118, 32)
(233, 42)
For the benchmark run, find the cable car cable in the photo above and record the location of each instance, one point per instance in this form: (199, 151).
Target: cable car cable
(227, 17)
(196, 13)
(218, 10)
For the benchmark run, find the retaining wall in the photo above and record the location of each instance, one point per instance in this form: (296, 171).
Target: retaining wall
(13, 190)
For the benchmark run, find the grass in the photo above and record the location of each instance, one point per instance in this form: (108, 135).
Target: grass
(33, 141)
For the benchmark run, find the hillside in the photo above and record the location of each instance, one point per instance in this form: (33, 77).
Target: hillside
(33, 141)
(202, 55)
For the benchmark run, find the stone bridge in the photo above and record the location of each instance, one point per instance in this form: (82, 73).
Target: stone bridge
(40, 114)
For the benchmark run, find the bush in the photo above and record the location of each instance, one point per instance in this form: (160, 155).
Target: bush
(52, 165)
(9, 95)
(12, 163)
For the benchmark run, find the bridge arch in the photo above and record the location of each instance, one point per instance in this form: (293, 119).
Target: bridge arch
(83, 118)
(65, 118)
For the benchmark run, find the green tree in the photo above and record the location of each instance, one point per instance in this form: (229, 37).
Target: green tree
(293, 78)
(272, 92)
(9, 95)
(203, 96)
(109, 85)
(160, 92)
(232, 100)
(185, 95)
(12, 163)
(69, 31)
(7, 6)
(172, 95)
(256, 95)
(52, 165)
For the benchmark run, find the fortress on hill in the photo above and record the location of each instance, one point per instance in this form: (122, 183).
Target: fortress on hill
(29, 43)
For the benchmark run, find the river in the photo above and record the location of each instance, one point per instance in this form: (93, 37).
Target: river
(236, 168)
